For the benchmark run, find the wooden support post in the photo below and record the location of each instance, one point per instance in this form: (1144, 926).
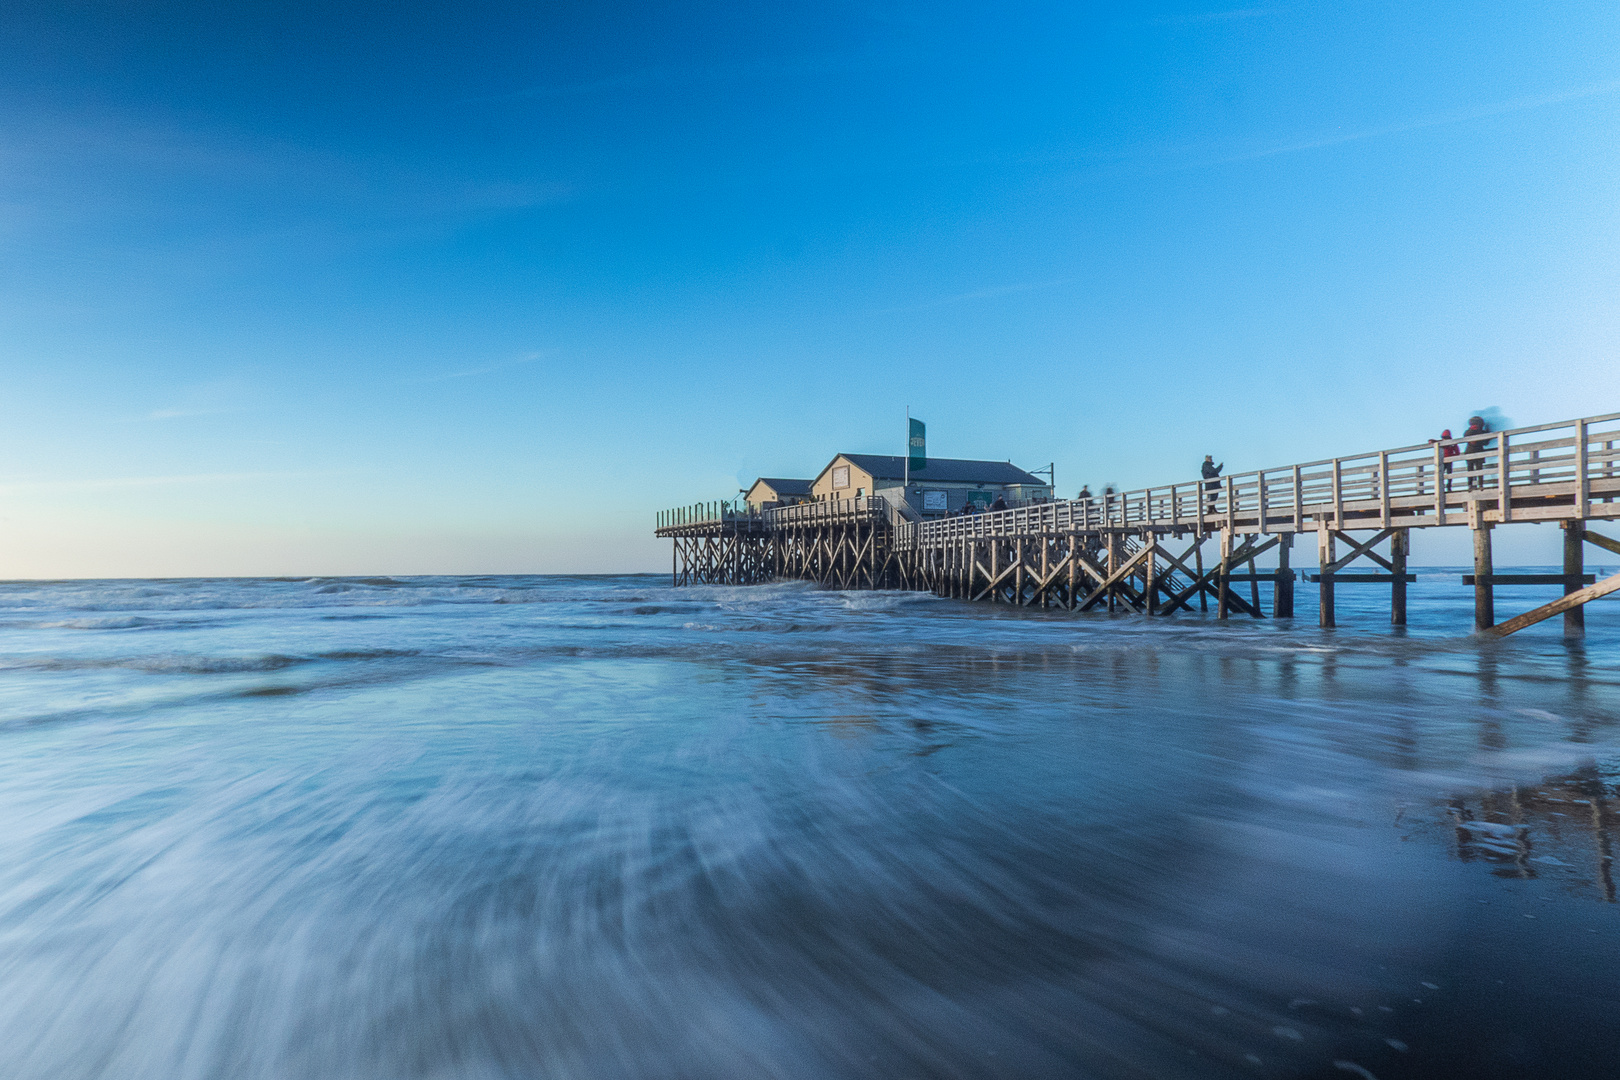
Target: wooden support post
(1324, 556)
(1113, 564)
(1574, 569)
(995, 567)
(1074, 563)
(1198, 563)
(1282, 597)
(1254, 587)
(1018, 574)
(1221, 585)
(1398, 540)
(1484, 598)
(1149, 574)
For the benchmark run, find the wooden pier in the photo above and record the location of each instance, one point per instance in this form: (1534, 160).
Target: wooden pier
(1145, 550)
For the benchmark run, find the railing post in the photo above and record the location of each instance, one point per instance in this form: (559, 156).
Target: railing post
(1504, 496)
(1583, 488)
(1261, 480)
(1442, 484)
(1338, 494)
(1299, 501)
(1383, 489)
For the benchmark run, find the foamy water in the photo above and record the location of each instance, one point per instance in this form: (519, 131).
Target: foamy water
(598, 827)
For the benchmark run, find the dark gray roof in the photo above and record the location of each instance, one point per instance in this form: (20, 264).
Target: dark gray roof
(944, 470)
(786, 487)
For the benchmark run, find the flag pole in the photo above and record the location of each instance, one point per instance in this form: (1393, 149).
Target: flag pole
(905, 489)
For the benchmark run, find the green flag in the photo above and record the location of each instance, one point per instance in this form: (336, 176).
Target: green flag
(917, 446)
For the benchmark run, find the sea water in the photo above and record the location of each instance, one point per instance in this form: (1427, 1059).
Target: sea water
(600, 827)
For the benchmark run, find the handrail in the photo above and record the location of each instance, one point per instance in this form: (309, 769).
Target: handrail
(1581, 453)
(1373, 482)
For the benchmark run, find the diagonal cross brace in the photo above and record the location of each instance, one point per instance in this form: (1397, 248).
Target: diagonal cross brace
(1250, 549)
(1116, 576)
(1358, 550)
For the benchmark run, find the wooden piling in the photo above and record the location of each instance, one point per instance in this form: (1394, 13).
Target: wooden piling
(1113, 564)
(1574, 570)
(1198, 564)
(1484, 597)
(1324, 557)
(1149, 574)
(1282, 597)
(1398, 541)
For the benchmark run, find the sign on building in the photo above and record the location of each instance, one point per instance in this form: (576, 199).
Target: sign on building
(841, 476)
(934, 500)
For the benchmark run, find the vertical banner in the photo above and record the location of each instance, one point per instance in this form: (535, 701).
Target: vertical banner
(917, 446)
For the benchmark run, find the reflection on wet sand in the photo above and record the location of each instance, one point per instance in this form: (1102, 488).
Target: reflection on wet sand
(1561, 828)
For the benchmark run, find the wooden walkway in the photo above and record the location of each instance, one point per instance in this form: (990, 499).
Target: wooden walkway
(1143, 550)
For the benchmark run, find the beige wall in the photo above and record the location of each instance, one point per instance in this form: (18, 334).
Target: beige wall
(859, 480)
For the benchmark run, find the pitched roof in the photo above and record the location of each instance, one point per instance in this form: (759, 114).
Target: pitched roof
(784, 487)
(944, 470)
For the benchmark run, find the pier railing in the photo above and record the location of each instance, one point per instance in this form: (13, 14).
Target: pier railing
(1567, 467)
(828, 511)
(705, 513)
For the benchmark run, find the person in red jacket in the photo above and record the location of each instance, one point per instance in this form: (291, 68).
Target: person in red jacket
(1447, 452)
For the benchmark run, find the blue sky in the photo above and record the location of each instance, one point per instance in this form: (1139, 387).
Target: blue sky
(397, 288)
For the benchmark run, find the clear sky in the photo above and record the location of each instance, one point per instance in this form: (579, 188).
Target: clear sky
(301, 288)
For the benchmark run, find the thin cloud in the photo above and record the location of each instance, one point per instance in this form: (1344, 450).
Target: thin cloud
(1217, 16)
(1461, 117)
(121, 483)
(989, 293)
(175, 414)
(664, 76)
(482, 369)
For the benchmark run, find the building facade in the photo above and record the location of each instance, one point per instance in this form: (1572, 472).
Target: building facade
(940, 486)
(771, 491)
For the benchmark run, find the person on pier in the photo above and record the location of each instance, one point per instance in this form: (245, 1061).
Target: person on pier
(1476, 448)
(999, 504)
(1212, 485)
(1447, 452)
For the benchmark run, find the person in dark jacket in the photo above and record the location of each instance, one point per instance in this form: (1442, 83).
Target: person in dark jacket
(1213, 485)
(1476, 426)
(999, 504)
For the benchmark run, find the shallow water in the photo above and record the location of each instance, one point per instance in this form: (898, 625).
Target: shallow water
(598, 827)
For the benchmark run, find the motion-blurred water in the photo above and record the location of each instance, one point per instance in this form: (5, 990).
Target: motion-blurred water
(596, 827)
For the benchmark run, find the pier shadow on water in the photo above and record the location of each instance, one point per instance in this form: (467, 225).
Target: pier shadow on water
(596, 827)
